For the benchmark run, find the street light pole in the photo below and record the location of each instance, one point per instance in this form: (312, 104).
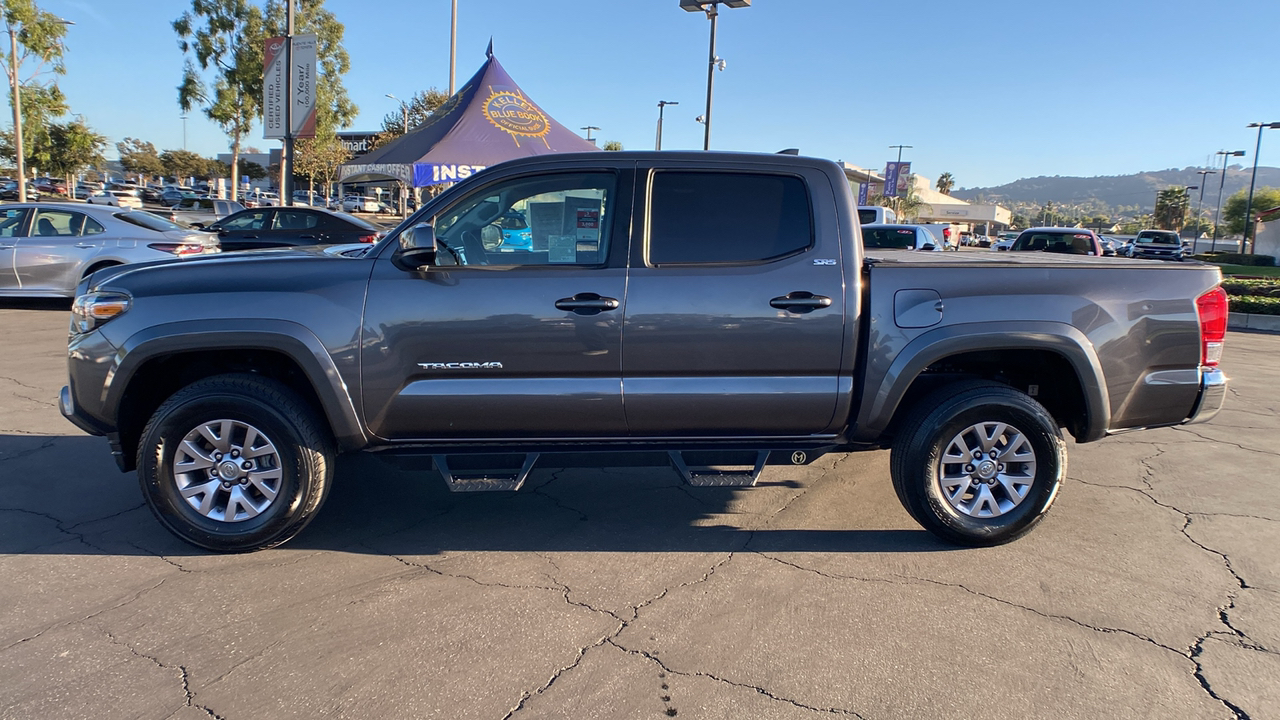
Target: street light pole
(404, 111)
(1248, 207)
(661, 105)
(1204, 178)
(1217, 214)
(589, 128)
(712, 10)
(453, 45)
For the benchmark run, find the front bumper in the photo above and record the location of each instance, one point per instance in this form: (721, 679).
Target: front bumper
(67, 404)
(1213, 392)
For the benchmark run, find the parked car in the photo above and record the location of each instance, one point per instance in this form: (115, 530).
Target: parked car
(360, 203)
(1110, 246)
(509, 233)
(9, 191)
(1070, 241)
(231, 384)
(899, 237)
(876, 215)
(259, 228)
(46, 248)
(308, 199)
(152, 195)
(1158, 245)
(51, 186)
(198, 212)
(118, 198)
(130, 188)
(83, 192)
(259, 198)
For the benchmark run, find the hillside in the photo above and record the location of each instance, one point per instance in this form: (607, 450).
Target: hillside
(1116, 192)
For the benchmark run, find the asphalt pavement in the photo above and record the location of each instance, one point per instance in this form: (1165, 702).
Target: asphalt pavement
(1152, 590)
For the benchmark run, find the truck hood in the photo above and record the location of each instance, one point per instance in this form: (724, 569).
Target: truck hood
(212, 266)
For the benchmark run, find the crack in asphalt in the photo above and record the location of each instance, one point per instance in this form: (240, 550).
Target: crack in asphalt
(31, 451)
(745, 686)
(1217, 441)
(67, 530)
(538, 490)
(609, 638)
(65, 623)
(185, 676)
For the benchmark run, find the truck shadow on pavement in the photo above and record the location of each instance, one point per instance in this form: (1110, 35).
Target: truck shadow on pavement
(64, 495)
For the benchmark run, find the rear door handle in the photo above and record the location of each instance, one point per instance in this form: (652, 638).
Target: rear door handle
(84, 246)
(306, 237)
(587, 304)
(800, 302)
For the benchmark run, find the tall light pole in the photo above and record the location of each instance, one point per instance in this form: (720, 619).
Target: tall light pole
(899, 147)
(183, 118)
(1217, 214)
(589, 128)
(404, 111)
(712, 9)
(16, 88)
(1204, 179)
(453, 45)
(662, 104)
(1248, 206)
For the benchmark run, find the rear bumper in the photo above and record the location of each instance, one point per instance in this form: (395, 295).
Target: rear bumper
(1213, 391)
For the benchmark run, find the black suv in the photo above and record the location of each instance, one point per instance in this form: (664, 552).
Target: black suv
(1158, 244)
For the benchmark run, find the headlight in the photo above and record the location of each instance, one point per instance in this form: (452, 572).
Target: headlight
(91, 310)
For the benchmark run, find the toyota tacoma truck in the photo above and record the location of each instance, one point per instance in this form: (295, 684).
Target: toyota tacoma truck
(713, 311)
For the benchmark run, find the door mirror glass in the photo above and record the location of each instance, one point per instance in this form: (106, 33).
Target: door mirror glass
(417, 247)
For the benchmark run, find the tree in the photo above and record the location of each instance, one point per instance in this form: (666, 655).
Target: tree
(252, 170)
(140, 157)
(420, 107)
(945, 183)
(73, 146)
(40, 105)
(319, 159)
(906, 206)
(1171, 208)
(1264, 198)
(38, 37)
(224, 39)
(612, 146)
(182, 164)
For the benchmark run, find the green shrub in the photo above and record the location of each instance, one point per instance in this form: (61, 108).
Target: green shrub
(1236, 287)
(1255, 305)
(1238, 259)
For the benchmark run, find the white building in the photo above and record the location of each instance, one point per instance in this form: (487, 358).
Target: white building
(938, 207)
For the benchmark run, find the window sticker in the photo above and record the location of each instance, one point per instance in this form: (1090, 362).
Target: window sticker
(562, 249)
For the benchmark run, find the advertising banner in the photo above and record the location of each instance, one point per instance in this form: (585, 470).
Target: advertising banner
(903, 179)
(863, 189)
(273, 88)
(891, 179)
(302, 86)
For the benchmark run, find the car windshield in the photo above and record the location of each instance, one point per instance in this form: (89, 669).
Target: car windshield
(149, 221)
(1072, 243)
(889, 238)
(1162, 238)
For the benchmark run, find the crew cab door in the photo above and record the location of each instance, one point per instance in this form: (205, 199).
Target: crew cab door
(498, 342)
(735, 304)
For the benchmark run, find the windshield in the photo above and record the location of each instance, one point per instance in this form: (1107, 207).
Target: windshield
(889, 238)
(1070, 243)
(1162, 238)
(149, 221)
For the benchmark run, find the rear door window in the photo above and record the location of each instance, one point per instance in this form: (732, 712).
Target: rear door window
(294, 220)
(57, 223)
(11, 220)
(248, 221)
(722, 217)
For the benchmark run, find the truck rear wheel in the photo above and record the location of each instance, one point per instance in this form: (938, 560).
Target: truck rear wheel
(235, 463)
(978, 463)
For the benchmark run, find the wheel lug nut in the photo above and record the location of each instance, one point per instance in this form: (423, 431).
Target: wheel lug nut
(235, 453)
(977, 455)
(968, 468)
(246, 465)
(994, 454)
(217, 456)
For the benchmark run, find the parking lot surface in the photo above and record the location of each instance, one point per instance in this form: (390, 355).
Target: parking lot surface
(1151, 590)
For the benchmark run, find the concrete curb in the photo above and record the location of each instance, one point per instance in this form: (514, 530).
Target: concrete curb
(1249, 321)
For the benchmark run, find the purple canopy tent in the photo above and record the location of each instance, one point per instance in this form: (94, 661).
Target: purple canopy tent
(488, 120)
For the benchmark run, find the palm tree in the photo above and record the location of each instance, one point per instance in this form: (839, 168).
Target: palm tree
(945, 183)
(907, 206)
(1171, 208)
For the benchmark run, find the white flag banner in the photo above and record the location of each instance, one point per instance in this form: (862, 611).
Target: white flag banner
(302, 86)
(273, 77)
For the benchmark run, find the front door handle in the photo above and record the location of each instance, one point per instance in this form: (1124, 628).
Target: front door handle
(800, 302)
(84, 246)
(587, 304)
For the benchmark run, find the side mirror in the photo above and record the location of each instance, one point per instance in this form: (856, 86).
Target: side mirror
(416, 247)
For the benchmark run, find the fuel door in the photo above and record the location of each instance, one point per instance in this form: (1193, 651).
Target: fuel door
(917, 308)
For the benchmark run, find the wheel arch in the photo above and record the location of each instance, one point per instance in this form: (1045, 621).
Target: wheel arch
(1017, 353)
(156, 362)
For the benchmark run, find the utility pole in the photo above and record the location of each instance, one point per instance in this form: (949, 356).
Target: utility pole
(661, 105)
(286, 162)
(453, 45)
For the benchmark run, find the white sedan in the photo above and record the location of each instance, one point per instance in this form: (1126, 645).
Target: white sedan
(357, 203)
(118, 198)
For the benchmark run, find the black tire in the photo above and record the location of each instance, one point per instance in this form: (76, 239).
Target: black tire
(300, 449)
(971, 515)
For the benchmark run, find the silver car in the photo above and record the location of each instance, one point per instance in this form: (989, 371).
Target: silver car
(198, 212)
(46, 248)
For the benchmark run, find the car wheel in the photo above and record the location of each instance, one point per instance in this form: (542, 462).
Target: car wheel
(235, 463)
(978, 463)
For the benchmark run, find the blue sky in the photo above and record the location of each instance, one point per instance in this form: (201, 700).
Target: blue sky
(990, 91)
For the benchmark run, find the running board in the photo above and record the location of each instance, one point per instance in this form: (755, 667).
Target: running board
(483, 480)
(719, 474)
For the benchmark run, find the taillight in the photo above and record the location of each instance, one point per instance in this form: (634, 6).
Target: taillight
(179, 249)
(1212, 309)
(368, 238)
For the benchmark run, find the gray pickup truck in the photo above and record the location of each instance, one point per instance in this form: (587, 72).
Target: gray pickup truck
(713, 311)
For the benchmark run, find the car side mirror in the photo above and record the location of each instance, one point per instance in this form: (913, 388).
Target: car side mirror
(416, 247)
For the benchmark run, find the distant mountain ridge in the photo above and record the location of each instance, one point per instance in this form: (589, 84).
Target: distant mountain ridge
(1116, 191)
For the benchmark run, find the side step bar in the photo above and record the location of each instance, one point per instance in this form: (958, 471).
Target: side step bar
(484, 480)
(719, 474)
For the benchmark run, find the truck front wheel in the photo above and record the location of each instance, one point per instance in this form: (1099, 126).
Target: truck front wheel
(978, 463)
(235, 463)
